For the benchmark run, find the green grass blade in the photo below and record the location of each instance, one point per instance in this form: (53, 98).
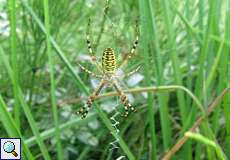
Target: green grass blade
(214, 58)
(11, 128)
(224, 80)
(145, 40)
(226, 107)
(168, 20)
(52, 81)
(200, 90)
(163, 97)
(173, 56)
(13, 49)
(201, 14)
(214, 68)
(204, 52)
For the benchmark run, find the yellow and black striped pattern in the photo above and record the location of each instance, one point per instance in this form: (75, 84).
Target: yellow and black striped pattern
(109, 61)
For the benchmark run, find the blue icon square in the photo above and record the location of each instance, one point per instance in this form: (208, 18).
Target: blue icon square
(10, 148)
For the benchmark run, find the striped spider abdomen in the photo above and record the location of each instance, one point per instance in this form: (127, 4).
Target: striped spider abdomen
(109, 61)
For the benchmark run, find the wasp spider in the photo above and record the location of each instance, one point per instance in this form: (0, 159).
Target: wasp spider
(107, 69)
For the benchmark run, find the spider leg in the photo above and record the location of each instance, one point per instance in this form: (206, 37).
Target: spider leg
(124, 100)
(89, 72)
(133, 49)
(131, 72)
(106, 9)
(92, 54)
(84, 110)
(89, 46)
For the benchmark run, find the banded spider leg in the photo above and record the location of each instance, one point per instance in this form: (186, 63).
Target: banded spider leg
(124, 99)
(84, 110)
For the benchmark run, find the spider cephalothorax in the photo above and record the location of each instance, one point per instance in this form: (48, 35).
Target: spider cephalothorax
(108, 75)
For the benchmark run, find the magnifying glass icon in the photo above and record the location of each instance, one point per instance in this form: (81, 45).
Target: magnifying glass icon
(9, 147)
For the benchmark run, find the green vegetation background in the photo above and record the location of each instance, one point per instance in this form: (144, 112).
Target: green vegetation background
(182, 43)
